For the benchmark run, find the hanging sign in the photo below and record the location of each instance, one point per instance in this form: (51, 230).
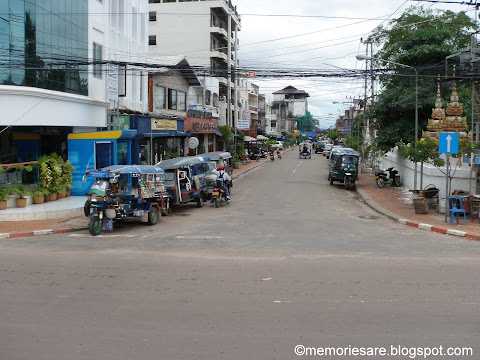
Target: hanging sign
(193, 142)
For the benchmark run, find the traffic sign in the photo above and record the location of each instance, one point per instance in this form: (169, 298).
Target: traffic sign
(448, 143)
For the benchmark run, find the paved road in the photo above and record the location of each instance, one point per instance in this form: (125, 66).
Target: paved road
(292, 260)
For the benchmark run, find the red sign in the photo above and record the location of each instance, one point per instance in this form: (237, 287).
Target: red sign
(251, 74)
(196, 125)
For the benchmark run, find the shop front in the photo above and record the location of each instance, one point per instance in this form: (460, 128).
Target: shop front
(205, 131)
(96, 150)
(158, 138)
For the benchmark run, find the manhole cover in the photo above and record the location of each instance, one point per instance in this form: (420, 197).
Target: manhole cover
(368, 217)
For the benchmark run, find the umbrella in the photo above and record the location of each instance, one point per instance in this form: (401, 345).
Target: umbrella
(261, 138)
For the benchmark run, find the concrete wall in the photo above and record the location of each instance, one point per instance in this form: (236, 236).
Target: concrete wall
(431, 174)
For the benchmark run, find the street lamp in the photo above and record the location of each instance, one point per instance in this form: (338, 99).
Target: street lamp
(364, 57)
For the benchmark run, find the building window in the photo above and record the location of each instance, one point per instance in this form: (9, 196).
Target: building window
(159, 97)
(97, 60)
(152, 39)
(154, 1)
(181, 101)
(172, 99)
(152, 16)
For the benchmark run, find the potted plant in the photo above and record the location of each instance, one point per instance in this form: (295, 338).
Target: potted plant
(67, 177)
(38, 194)
(53, 192)
(21, 192)
(4, 194)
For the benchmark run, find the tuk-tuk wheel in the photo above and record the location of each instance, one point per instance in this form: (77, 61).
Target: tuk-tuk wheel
(200, 200)
(86, 208)
(95, 226)
(153, 216)
(331, 180)
(167, 209)
(347, 184)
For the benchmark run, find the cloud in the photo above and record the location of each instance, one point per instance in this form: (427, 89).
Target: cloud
(317, 44)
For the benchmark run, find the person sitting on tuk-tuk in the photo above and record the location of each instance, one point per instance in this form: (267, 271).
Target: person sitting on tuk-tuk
(305, 148)
(222, 178)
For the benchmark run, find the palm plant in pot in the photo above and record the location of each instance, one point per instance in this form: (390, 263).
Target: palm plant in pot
(45, 176)
(56, 172)
(4, 194)
(21, 192)
(38, 194)
(67, 176)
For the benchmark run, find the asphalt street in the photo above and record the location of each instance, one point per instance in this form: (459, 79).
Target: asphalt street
(291, 261)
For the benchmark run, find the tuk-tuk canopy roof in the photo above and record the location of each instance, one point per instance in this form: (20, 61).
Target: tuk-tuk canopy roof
(133, 169)
(216, 155)
(180, 162)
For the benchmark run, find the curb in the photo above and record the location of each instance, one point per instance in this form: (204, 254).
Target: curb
(12, 235)
(422, 226)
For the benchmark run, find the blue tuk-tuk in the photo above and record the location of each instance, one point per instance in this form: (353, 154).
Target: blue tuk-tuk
(220, 158)
(124, 191)
(305, 150)
(343, 167)
(184, 179)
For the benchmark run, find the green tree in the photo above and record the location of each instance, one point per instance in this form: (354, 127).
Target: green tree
(420, 38)
(333, 134)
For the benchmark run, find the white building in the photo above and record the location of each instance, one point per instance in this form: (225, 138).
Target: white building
(63, 86)
(206, 32)
(288, 103)
(265, 114)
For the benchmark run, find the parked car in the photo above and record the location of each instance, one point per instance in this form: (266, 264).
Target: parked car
(332, 148)
(326, 149)
(319, 146)
(278, 145)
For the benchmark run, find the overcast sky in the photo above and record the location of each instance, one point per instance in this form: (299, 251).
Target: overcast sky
(316, 35)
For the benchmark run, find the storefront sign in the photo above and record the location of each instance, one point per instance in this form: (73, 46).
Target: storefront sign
(200, 114)
(244, 123)
(196, 125)
(163, 124)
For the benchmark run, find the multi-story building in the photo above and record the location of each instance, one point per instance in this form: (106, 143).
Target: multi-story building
(265, 115)
(288, 103)
(53, 73)
(206, 32)
(253, 91)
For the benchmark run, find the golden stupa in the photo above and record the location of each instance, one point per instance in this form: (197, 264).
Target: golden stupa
(449, 120)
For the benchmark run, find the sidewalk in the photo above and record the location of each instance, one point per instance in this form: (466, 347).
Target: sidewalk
(64, 215)
(390, 201)
(396, 204)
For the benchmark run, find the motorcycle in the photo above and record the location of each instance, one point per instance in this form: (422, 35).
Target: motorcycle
(272, 156)
(218, 194)
(382, 179)
(279, 155)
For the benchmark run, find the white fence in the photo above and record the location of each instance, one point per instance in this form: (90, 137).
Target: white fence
(431, 174)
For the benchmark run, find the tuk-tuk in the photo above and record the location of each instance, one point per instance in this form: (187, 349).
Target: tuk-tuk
(343, 167)
(220, 158)
(184, 179)
(305, 150)
(124, 191)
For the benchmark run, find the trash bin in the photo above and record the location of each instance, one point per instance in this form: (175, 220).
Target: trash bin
(397, 179)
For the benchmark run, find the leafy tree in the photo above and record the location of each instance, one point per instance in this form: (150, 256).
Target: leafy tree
(420, 38)
(333, 134)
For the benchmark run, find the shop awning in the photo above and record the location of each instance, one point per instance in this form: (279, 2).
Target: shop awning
(261, 138)
(249, 138)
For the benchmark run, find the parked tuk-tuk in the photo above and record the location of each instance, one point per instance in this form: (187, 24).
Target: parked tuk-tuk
(124, 191)
(305, 150)
(220, 158)
(184, 179)
(343, 167)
